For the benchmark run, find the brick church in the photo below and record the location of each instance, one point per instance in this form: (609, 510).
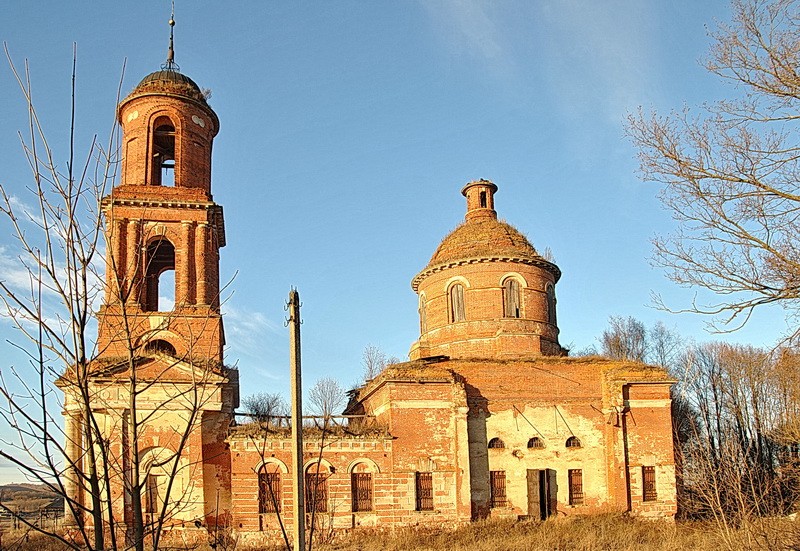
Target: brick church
(489, 418)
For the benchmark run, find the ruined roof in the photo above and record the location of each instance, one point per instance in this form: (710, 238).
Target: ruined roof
(169, 81)
(483, 237)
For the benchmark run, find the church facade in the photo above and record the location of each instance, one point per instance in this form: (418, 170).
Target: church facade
(488, 418)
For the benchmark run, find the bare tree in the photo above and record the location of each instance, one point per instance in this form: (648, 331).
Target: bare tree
(730, 174)
(264, 407)
(625, 339)
(373, 360)
(664, 346)
(326, 397)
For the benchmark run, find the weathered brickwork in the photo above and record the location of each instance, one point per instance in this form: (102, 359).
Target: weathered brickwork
(489, 418)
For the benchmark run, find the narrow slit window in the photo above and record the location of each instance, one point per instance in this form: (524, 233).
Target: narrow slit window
(483, 199)
(551, 304)
(497, 488)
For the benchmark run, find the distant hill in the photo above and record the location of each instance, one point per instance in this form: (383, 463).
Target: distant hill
(29, 497)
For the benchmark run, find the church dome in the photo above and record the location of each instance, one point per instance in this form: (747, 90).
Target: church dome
(169, 81)
(483, 237)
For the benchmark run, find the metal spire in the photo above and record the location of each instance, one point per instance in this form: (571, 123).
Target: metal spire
(170, 64)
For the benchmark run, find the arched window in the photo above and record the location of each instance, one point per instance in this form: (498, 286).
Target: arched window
(316, 487)
(423, 318)
(456, 299)
(160, 259)
(496, 443)
(159, 346)
(269, 489)
(511, 299)
(573, 442)
(361, 487)
(551, 303)
(535, 443)
(163, 162)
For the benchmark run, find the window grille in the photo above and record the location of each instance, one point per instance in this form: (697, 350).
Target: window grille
(497, 487)
(269, 492)
(575, 487)
(496, 443)
(424, 487)
(361, 488)
(535, 443)
(511, 300)
(649, 484)
(316, 493)
(573, 442)
(457, 303)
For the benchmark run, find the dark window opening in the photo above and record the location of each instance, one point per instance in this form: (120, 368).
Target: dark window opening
(575, 487)
(163, 164)
(159, 346)
(160, 259)
(457, 312)
(269, 491)
(152, 494)
(496, 443)
(483, 199)
(423, 319)
(573, 442)
(497, 489)
(424, 491)
(649, 484)
(511, 300)
(361, 489)
(551, 304)
(535, 443)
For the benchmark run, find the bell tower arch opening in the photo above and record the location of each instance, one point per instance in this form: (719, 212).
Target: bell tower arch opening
(160, 269)
(163, 161)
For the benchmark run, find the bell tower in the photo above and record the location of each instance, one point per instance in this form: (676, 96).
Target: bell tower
(163, 225)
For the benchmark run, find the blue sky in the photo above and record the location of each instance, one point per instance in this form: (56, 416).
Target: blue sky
(349, 128)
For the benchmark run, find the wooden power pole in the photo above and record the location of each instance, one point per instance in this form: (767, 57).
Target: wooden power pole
(298, 507)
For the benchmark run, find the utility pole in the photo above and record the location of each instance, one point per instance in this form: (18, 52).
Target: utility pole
(298, 506)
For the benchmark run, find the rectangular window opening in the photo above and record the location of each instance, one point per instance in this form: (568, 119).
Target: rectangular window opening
(575, 487)
(361, 488)
(649, 484)
(497, 488)
(424, 491)
(269, 493)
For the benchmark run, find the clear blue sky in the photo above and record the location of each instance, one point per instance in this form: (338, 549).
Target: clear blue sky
(349, 128)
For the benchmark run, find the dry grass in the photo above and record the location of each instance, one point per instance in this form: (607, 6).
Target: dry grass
(612, 532)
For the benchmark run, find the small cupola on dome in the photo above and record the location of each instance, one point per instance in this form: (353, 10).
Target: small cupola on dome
(480, 199)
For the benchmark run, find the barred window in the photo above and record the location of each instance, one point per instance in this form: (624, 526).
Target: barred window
(457, 312)
(649, 484)
(316, 490)
(269, 490)
(535, 443)
(496, 443)
(511, 300)
(424, 490)
(573, 442)
(361, 489)
(575, 487)
(497, 488)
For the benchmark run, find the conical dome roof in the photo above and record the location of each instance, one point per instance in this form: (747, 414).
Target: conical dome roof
(483, 237)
